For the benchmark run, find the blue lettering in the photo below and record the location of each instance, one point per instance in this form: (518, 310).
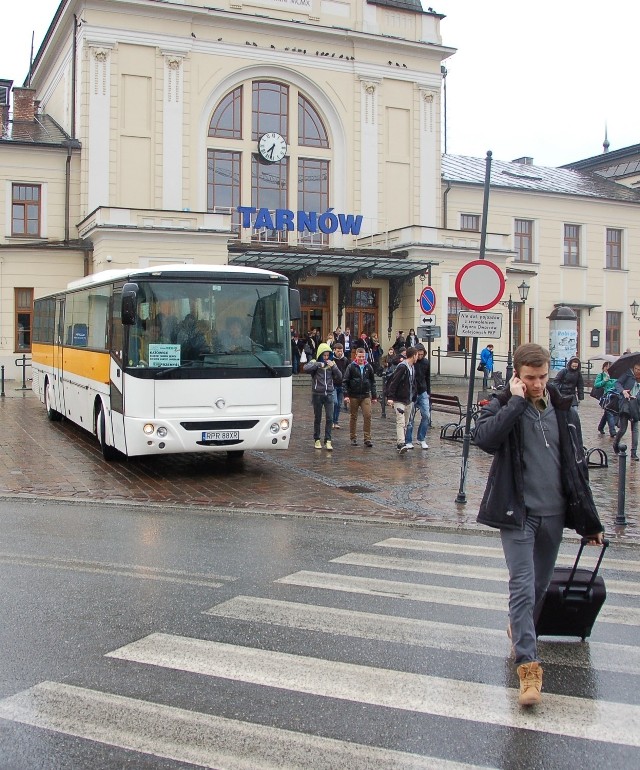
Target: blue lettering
(307, 221)
(284, 219)
(328, 222)
(246, 211)
(350, 224)
(263, 220)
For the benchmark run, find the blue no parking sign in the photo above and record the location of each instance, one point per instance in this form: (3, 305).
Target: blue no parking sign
(427, 300)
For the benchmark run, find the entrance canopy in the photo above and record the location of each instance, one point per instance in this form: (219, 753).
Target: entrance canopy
(351, 266)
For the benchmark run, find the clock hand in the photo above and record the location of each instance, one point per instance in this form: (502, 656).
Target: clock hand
(270, 150)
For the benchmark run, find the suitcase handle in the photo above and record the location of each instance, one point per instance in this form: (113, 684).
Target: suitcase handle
(583, 542)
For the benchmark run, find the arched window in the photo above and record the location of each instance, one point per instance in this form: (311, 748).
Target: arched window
(311, 130)
(238, 175)
(227, 118)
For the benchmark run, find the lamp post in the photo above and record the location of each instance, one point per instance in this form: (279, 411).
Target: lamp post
(523, 289)
(509, 373)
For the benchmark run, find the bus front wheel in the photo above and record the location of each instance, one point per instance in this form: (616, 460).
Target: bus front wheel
(52, 414)
(108, 452)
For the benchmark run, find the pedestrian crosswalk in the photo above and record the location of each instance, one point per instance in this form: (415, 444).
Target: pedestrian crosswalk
(401, 644)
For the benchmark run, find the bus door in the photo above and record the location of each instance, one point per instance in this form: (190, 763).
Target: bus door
(116, 378)
(58, 358)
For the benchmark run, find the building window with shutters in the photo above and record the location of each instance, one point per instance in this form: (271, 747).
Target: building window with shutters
(572, 244)
(25, 210)
(523, 240)
(613, 333)
(23, 299)
(470, 222)
(614, 249)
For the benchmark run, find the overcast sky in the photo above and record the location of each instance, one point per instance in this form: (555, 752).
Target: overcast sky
(529, 78)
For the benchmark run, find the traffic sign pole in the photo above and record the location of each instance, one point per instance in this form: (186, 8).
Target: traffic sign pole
(462, 495)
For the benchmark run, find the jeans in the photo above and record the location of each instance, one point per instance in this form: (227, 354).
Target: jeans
(531, 555)
(337, 403)
(322, 403)
(485, 378)
(608, 418)
(422, 405)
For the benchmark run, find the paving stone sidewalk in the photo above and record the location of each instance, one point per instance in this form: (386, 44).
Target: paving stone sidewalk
(61, 461)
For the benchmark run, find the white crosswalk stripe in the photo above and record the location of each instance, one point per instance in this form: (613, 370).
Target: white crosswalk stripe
(559, 714)
(420, 592)
(202, 739)
(422, 633)
(209, 740)
(456, 570)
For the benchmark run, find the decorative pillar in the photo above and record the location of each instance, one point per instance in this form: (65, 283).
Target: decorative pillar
(99, 125)
(172, 130)
(429, 181)
(369, 160)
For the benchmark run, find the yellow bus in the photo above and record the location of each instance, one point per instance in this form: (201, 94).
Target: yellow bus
(179, 358)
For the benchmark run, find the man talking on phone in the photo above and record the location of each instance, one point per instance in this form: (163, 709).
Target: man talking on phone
(538, 484)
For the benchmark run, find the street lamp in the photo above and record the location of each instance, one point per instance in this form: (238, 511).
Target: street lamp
(634, 310)
(523, 289)
(509, 373)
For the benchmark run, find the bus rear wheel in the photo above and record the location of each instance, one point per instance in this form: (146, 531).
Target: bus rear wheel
(108, 452)
(52, 414)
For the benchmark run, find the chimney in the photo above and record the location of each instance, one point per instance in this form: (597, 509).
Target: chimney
(24, 104)
(525, 160)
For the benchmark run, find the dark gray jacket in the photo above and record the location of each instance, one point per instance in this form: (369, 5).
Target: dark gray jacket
(498, 432)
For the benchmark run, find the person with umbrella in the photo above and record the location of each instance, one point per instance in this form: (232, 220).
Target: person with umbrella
(627, 371)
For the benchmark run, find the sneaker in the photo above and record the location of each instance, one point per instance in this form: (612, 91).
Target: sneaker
(424, 445)
(318, 444)
(354, 442)
(328, 445)
(601, 432)
(634, 456)
(409, 445)
(368, 442)
(337, 426)
(402, 448)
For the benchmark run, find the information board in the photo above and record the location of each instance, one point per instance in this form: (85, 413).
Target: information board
(479, 324)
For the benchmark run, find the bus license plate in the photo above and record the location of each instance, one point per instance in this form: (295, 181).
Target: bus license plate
(220, 435)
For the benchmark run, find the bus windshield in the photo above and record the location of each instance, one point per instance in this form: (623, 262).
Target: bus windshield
(210, 324)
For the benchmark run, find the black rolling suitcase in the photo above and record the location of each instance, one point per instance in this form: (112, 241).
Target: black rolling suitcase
(573, 600)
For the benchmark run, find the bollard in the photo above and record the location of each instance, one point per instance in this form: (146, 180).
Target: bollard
(622, 481)
(2, 380)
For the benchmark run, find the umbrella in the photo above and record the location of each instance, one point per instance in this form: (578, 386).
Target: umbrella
(604, 357)
(623, 364)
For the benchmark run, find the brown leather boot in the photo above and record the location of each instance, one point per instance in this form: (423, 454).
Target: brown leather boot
(530, 684)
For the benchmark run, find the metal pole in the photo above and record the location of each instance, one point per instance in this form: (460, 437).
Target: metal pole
(2, 380)
(429, 338)
(622, 482)
(509, 371)
(462, 495)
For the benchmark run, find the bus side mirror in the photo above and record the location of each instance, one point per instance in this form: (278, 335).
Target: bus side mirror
(295, 312)
(129, 303)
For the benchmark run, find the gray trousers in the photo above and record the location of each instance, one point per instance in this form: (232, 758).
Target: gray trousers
(531, 555)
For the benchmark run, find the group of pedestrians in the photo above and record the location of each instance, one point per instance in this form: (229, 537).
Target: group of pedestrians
(337, 380)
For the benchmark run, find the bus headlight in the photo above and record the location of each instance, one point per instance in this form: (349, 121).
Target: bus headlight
(284, 424)
(148, 428)
(274, 427)
(162, 431)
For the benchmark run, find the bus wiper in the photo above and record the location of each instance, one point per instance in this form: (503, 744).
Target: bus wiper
(273, 371)
(167, 369)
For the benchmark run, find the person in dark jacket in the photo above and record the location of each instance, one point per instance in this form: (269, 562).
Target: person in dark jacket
(326, 376)
(401, 395)
(359, 386)
(341, 361)
(538, 484)
(422, 371)
(569, 381)
(628, 388)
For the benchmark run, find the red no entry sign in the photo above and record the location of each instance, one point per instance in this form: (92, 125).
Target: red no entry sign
(480, 285)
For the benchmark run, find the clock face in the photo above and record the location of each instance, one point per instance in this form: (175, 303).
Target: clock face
(272, 147)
